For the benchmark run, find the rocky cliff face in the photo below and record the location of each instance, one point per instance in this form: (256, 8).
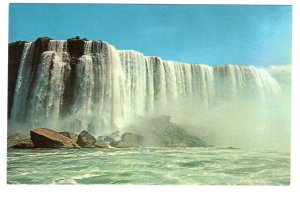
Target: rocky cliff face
(75, 47)
(15, 51)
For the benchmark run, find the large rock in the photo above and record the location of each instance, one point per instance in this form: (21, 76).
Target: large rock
(86, 140)
(47, 138)
(175, 136)
(14, 138)
(133, 139)
(24, 144)
(160, 132)
(128, 140)
(72, 136)
(101, 144)
(115, 136)
(119, 144)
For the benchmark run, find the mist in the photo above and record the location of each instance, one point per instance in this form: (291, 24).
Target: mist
(242, 122)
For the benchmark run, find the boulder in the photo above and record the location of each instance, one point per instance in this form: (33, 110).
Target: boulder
(133, 139)
(160, 132)
(101, 144)
(115, 136)
(108, 139)
(14, 139)
(86, 140)
(47, 138)
(175, 136)
(24, 144)
(72, 136)
(119, 144)
(128, 140)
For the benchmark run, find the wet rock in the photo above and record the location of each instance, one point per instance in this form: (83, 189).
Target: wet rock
(115, 136)
(133, 139)
(86, 140)
(108, 139)
(72, 136)
(75, 48)
(24, 144)
(174, 135)
(47, 138)
(14, 138)
(160, 132)
(15, 51)
(101, 144)
(119, 144)
(128, 140)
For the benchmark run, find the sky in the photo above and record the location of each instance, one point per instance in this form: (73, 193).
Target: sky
(207, 34)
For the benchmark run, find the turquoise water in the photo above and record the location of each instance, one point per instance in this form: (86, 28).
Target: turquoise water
(200, 166)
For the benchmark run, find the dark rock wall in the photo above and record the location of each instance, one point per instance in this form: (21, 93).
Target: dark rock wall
(75, 50)
(15, 51)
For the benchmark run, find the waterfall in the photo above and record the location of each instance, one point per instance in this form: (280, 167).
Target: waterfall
(22, 85)
(112, 87)
(48, 89)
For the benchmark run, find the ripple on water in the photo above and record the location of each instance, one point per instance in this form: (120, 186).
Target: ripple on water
(193, 164)
(205, 166)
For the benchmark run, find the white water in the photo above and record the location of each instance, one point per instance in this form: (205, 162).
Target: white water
(189, 166)
(114, 87)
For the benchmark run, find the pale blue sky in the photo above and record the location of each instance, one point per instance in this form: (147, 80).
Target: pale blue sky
(249, 35)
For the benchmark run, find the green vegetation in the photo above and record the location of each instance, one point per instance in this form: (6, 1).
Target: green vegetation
(77, 38)
(43, 39)
(18, 43)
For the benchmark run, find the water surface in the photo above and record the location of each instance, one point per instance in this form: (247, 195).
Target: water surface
(200, 166)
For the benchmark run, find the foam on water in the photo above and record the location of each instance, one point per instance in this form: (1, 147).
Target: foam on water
(201, 166)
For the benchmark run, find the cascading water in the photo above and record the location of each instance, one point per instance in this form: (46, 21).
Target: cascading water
(111, 87)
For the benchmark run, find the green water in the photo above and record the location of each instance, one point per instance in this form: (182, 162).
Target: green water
(200, 166)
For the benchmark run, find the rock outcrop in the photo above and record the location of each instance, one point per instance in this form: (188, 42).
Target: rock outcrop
(175, 136)
(86, 140)
(75, 49)
(47, 138)
(133, 139)
(24, 144)
(115, 136)
(15, 51)
(14, 139)
(119, 144)
(72, 136)
(128, 140)
(160, 132)
(101, 144)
